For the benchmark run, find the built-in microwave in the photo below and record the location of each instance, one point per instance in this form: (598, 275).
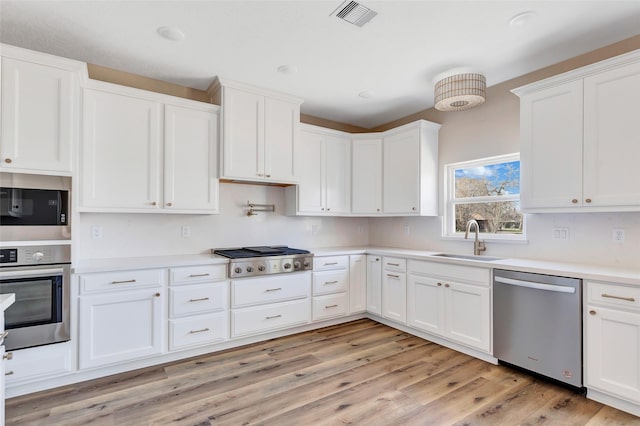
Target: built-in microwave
(33, 207)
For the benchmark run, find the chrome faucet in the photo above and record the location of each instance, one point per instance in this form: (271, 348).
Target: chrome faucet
(478, 246)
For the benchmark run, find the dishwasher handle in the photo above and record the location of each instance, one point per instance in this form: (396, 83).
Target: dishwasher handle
(535, 285)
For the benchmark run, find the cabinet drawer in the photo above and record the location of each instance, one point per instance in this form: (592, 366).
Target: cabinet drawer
(118, 281)
(254, 291)
(330, 281)
(330, 262)
(38, 363)
(196, 274)
(469, 274)
(613, 294)
(394, 264)
(200, 330)
(258, 319)
(199, 298)
(331, 305)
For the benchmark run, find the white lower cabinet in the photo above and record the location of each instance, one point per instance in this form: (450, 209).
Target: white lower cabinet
(374, 284)
(330, 280)
(394, 289)
(122, 323)
(263, 304)
(612, 340)
(357, 283)
(198, 306)
(329, 306)
(41, 362)
(451, 301)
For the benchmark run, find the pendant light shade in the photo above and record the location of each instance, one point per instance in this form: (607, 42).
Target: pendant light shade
(460, 92)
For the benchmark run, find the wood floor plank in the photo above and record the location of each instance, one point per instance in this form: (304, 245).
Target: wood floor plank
(356, 373)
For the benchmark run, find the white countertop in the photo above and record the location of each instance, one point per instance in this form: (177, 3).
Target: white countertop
(147, 262)
(6, 300)
(577, 270)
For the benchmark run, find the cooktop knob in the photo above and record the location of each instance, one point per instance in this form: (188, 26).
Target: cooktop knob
(249, 268)
(296, 265)
(238, 270)
(287, 266)
(306, 263)
(261, 268)
(38, 256)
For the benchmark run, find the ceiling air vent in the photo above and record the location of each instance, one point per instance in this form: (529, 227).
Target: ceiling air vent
(354, 13)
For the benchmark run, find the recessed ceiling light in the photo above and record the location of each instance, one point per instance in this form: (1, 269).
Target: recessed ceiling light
(366, 94)
(522, 19)
(171, 33)
(287, 69)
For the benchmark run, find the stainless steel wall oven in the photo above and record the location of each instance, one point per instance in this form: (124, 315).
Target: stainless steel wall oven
(40, 278)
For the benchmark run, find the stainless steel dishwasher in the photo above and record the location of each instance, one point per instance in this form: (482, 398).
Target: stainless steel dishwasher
(537, 324)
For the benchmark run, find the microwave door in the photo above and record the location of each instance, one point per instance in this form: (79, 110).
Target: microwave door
(11, 202)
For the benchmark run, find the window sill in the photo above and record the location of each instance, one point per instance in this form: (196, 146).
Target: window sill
(511, 240)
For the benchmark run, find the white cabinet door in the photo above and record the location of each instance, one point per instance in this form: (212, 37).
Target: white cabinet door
(121, 151)
(338, 175)
(243, 134)
(468, 314)
(39, 117)
(357, 283)
(190, 170)
(311, 162)
(367, 176)
(120, 327)
(426, 304)
(551, 132)
(374, 284)
(281, 121)
(613, 352)
(401, 172)
(612, 138)
(394, 296)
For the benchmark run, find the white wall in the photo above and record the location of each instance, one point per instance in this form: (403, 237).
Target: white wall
(125, 235)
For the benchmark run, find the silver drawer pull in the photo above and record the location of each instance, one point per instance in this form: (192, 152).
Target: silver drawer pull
(393, 276)
(123, 282)
(330, 282)
(274, 316)
(199, 300)
(8, 356)
(274, 289)
(331, 306)
(198, 275)
(393, 264)
(4, 334)
(199, 331)
(9, 373)
(330, 263)
(611, 296)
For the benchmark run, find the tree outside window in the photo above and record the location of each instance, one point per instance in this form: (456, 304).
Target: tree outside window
(488, 191)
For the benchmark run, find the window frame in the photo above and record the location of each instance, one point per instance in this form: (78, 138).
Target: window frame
(450, 201)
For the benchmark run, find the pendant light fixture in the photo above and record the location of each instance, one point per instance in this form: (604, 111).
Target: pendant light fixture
(460, 92)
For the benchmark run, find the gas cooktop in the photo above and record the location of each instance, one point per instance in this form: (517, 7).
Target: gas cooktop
(265, 260)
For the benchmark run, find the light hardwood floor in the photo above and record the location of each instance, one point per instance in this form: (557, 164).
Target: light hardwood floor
(361, 373)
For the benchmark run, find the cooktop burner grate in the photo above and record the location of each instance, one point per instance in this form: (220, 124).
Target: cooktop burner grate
(260, 251)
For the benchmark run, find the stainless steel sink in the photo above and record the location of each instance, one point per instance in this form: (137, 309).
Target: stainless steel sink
(468, 257)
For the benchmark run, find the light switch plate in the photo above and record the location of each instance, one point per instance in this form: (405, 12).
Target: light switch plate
(560, 234)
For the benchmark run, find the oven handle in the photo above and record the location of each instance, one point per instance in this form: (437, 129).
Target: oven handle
(32, 273)
(536, 286)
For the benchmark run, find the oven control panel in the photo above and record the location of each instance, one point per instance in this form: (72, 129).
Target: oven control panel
(8, 255)
(35, 255)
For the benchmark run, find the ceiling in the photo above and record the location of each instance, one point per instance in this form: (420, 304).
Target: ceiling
(395, 57)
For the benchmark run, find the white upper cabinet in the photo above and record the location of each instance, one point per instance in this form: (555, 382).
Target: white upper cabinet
(395, 173)
(580, 139)
(147, 152)
(190, 159)
(323, 164)
(259, 133)
(366, 186)
(40, 96)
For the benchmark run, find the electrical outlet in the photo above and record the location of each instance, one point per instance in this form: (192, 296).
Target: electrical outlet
(96, 232)
(314, 229)
(186, 232)
(407, 230)
(617, 235)
(560, 234)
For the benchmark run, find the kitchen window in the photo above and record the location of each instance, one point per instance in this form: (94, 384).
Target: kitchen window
(488, 191)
